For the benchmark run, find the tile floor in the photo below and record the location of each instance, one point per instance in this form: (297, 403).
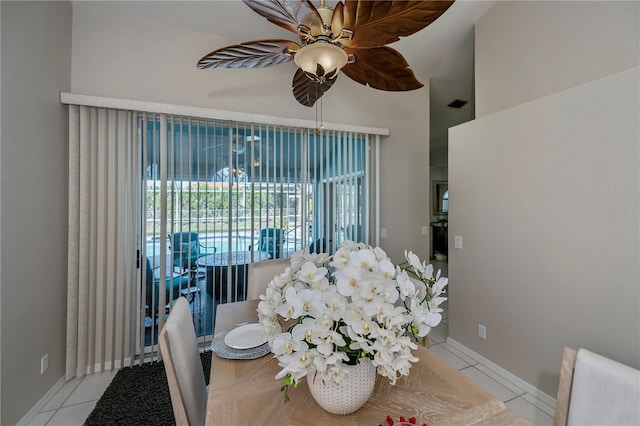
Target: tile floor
(72, 404)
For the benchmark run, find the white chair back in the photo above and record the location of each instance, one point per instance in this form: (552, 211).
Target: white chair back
(261, 273)
(183, 366)
(603, 392)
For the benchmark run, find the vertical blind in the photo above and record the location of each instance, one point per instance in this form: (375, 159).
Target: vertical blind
(231, 184)
(138, 178)
(103, 210)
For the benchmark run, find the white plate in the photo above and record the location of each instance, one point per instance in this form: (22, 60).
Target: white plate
(246, 336)
(220, 348)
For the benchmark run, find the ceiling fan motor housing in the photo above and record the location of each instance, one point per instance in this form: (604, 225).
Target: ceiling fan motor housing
(326, 14)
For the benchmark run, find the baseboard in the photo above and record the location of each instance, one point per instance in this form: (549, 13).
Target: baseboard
(527, 387)
(31, 414)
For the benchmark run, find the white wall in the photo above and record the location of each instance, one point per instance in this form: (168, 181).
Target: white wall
(528, 49)
(36, 66)
(117, 56)
(545, 194)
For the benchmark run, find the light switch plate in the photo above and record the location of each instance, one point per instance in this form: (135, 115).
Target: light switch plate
(482, 331)
(383, 232)
(457, 243)
(44, 363)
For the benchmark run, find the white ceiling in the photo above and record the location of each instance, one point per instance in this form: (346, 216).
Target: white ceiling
(441, 52)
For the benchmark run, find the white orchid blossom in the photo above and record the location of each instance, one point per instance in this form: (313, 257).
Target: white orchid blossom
(310, 273)
(285, 344)
(304, 302)
(325, 312)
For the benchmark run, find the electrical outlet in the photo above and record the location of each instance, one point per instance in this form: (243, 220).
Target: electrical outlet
(482, 332)
(425, 230)
(44, 363)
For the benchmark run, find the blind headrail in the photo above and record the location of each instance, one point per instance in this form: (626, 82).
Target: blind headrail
(199, 112)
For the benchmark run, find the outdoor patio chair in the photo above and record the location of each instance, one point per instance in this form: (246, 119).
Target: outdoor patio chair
(271, 242)
(174, 287)
(185, 252)
(318, 246)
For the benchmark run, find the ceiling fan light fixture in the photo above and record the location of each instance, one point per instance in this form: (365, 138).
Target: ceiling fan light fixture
(327, 55)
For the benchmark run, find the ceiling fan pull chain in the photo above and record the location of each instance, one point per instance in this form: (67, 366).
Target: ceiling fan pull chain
(319, 128)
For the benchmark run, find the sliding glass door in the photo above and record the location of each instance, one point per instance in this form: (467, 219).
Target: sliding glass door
(221, 195)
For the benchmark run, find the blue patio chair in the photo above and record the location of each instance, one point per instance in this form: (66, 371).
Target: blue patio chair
(351, 232)
(270, 242)
(185, 252)
(174, 287)
(318, 246)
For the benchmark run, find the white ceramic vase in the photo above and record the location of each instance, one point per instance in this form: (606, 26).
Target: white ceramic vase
(347, 396)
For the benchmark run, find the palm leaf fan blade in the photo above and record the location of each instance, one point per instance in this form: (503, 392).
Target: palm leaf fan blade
(382, 68)
(251, 54)
(380, 22)
(307, 91)
(288, 14)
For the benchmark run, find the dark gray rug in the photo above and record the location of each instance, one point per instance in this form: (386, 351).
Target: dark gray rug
(139, 395)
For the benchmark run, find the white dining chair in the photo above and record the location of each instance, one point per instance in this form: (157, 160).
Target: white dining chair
(596, 391)
(261, 273)
(183, 366)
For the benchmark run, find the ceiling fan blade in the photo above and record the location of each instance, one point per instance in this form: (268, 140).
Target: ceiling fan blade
(288, 14)
(380, 22)
(308, 91)
(250, 54)
(382, 68)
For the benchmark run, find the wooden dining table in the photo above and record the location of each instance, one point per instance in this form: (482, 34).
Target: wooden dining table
(245, 392)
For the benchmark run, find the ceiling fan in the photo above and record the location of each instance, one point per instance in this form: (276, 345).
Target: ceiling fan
(244, 148)
(239, 144)
(237, 147)
(350, 37)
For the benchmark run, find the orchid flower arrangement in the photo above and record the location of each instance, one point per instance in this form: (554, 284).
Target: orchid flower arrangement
(326, 312)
